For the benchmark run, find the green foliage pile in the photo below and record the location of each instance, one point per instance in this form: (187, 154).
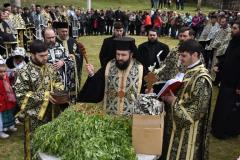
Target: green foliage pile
(77, 135)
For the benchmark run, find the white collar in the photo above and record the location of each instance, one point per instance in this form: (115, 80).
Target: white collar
(194, 64)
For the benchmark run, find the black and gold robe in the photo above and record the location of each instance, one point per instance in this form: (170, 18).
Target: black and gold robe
(120, 86)
(187, 126)
(116, 87)
(33, 87)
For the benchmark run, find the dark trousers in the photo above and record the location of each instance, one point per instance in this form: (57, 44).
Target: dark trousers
(131, 28)
(138, 29)
(109, 28)
(207, 54)
(147, 28)
(152, 4)
(160, 4)
(179, 4)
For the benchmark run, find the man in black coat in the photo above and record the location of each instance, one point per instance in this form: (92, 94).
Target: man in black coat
(226, 116)
(152, 51)
(107, 52)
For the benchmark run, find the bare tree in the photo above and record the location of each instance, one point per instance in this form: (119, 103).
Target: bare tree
(199, 4)
(15, 3)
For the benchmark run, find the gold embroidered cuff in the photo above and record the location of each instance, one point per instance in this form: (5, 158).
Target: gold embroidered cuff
(25, 100)
(24, 103)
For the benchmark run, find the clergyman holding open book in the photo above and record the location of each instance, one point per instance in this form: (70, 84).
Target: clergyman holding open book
(188, 110)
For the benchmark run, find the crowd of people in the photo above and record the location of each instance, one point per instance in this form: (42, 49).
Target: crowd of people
(208, 47)
(99, 22)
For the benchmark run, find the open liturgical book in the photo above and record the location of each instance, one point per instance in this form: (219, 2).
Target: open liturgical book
(171, 85)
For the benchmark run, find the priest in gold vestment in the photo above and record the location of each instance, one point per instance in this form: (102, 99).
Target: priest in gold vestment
(33, 88)
(187, 124)
(118, 83)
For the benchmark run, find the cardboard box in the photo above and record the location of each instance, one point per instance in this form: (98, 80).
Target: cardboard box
(147, 134)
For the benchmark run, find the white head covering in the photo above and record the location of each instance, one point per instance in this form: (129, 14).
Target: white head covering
(19, 51)
(2, 61)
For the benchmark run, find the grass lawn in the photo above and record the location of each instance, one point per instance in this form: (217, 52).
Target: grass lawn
(12, 148)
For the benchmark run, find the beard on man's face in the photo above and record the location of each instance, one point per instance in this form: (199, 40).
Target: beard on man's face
(152, 40)
(180, 41)
(50, 44)
(235, 35)
(38, 61)
(122, 65)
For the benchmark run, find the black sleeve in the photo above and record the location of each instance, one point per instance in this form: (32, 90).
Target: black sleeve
(140, 56)
(220, 61)
(93, 89)
(1, 37)
(102, 54)
(165, 52)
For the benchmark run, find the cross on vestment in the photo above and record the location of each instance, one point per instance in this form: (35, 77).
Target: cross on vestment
(121, 93)
(150, 79)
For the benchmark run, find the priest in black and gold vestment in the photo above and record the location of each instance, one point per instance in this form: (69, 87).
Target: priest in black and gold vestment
(118, 82)
(187, 121)
(33, 87)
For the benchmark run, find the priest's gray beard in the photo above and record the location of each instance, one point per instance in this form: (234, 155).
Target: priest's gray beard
(122, 65)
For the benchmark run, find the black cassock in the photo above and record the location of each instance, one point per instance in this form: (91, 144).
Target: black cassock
(93, 89)
(226, 117)
(107, 51)
(148, 51)
(147, 55)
